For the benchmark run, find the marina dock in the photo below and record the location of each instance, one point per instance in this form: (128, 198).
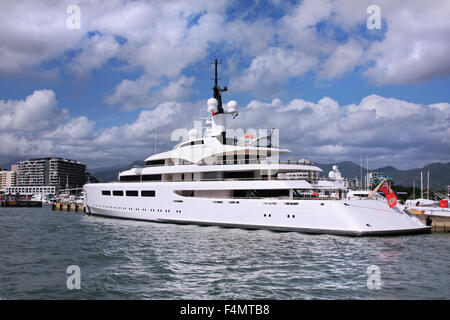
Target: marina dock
(438, 223)
(21, 203)
(68, 206)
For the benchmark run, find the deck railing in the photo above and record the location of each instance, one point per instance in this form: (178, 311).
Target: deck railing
(237, 161)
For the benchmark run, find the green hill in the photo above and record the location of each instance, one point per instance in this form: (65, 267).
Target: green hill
(439, 173)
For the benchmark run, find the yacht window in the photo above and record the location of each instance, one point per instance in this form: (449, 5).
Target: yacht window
(239, 175)
(147, 193)
(195, 142)
(261, 193)
(130, 178)
(362, 195)
(191, 143)
(210, 175)
(106, 192)
(155, 162)
(151, 177)
(117, 193)
(132, 193)
(185, 193)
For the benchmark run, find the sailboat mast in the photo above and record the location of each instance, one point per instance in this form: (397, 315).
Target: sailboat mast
(360, 166)
(421, 185)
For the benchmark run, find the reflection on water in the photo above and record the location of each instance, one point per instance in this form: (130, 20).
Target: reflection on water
(122, 259)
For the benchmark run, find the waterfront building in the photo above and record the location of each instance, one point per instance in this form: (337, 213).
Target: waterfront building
(31, 190)
(50, 174)
(7, 179)
(377, 177)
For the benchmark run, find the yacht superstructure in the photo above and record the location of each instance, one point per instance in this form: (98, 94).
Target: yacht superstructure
(212, 178)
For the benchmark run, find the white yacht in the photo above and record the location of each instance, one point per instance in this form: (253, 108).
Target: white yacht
(215, 179)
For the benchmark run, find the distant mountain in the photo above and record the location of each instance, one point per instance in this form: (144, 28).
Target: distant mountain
(7, 165)
(439, 173)
(111, 173)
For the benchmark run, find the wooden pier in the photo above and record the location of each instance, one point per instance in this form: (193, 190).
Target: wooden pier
(21, 203)
(438, 223)
(68, 206)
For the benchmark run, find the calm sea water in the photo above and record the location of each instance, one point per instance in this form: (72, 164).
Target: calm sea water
(121, 259)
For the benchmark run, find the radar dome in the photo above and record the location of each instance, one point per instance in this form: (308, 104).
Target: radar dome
(193, 134)
(232, 106)
(212, 105)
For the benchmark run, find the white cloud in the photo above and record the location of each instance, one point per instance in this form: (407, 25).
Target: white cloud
(416, 47)
(388, 130)
(37, 112)
(96, 51)
(32, 32)
(37, 126)
(137, 94)
(342, 60)
(80, 128)
(276, 65)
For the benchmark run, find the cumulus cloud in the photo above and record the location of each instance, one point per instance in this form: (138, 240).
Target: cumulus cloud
(342, 60)
(389, 130)
(415, 47)
(141, 92)
(37, 126)
(37, 112)
(96, 51)
(33, 32)
(159, 40)
(274, 66)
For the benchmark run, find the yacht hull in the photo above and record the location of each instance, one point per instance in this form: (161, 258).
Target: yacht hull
(350, 217)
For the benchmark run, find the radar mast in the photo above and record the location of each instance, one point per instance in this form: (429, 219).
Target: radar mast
(218, 90)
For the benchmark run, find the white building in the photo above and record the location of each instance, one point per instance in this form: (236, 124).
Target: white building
(7, 179)
(32, 190)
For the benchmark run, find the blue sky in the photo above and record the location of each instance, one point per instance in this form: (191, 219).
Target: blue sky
(336, 89)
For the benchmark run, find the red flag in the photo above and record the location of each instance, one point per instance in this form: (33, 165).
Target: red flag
(249, 136)
(390, 195)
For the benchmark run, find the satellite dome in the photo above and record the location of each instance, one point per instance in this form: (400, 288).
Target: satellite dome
(232, 106)
(193, 134)
(212, 105)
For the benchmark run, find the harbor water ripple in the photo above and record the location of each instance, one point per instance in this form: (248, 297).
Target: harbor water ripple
(121, 259)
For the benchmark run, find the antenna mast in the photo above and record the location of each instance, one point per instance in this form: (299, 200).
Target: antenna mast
(218, 90)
